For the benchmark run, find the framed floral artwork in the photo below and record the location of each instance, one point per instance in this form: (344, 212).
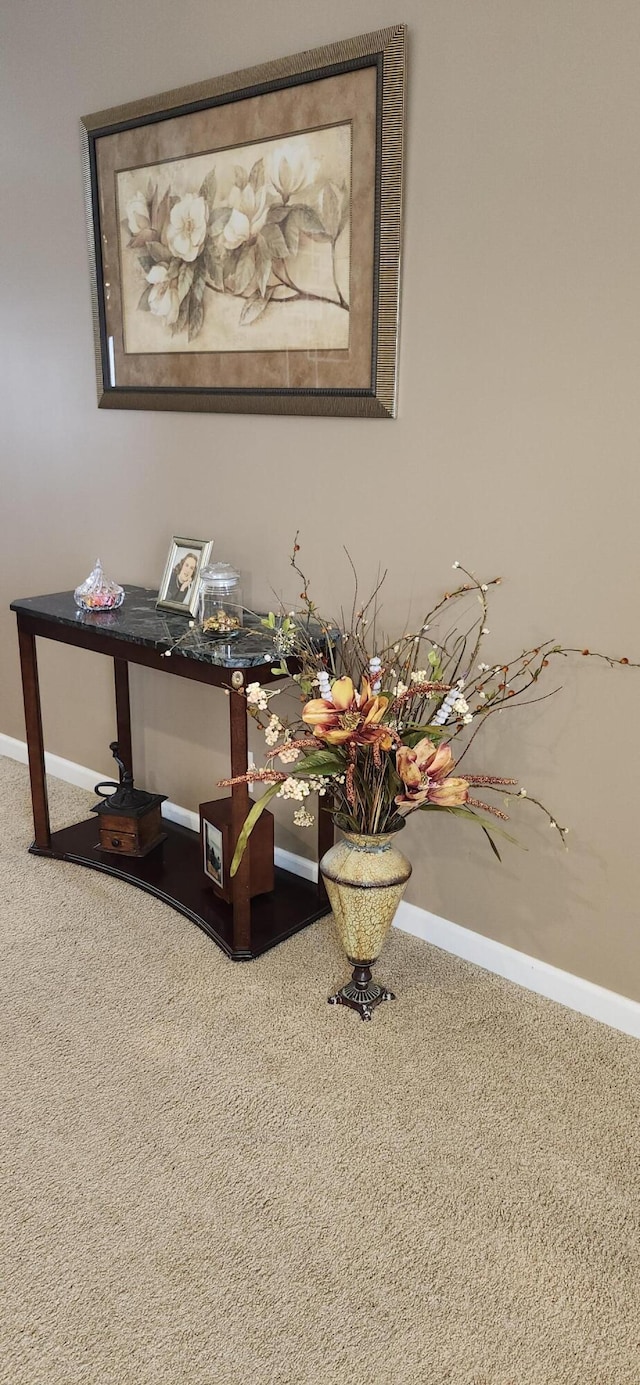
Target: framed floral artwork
(245, 235)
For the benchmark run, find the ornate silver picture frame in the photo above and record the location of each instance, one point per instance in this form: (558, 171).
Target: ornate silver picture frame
(245, 237)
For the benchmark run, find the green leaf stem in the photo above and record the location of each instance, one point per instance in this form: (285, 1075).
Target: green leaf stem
(320, 762)
(471, 816)
(249, 823)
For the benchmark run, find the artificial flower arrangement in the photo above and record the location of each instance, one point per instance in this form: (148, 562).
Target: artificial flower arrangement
(386, 725)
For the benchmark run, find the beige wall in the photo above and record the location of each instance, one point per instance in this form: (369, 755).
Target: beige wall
(516, 448)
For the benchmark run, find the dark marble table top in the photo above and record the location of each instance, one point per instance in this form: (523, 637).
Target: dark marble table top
(138, 622)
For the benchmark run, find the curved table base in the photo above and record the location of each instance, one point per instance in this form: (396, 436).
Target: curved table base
(173, 873)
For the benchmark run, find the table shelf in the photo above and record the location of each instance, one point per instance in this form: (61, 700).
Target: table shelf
(173, 873)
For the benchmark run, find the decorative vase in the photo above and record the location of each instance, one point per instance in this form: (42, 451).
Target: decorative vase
(365, 877)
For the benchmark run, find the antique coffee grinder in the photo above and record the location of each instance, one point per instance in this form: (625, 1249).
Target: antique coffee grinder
(130, 819)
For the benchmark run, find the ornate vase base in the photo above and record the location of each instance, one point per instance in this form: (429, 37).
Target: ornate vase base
(361, 993)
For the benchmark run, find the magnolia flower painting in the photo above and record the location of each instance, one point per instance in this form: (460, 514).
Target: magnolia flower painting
(240, 250)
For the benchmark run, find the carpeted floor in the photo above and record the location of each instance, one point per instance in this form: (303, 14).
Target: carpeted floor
(211, 1177)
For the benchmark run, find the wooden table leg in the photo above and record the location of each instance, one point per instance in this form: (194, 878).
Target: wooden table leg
(123, 712)
(35, 741)
(240, 805)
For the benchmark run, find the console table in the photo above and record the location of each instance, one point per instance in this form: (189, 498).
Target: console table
(137, 633)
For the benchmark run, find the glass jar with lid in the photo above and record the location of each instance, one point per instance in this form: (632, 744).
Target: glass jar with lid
(220, 606)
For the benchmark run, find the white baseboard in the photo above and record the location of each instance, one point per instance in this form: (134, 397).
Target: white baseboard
(618, 1011)
(585, 997)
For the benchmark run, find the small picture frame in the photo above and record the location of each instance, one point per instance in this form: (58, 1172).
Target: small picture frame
(180, 583)
(213, 845)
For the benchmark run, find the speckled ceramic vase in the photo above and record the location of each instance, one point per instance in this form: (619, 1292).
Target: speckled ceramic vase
(366, 878)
